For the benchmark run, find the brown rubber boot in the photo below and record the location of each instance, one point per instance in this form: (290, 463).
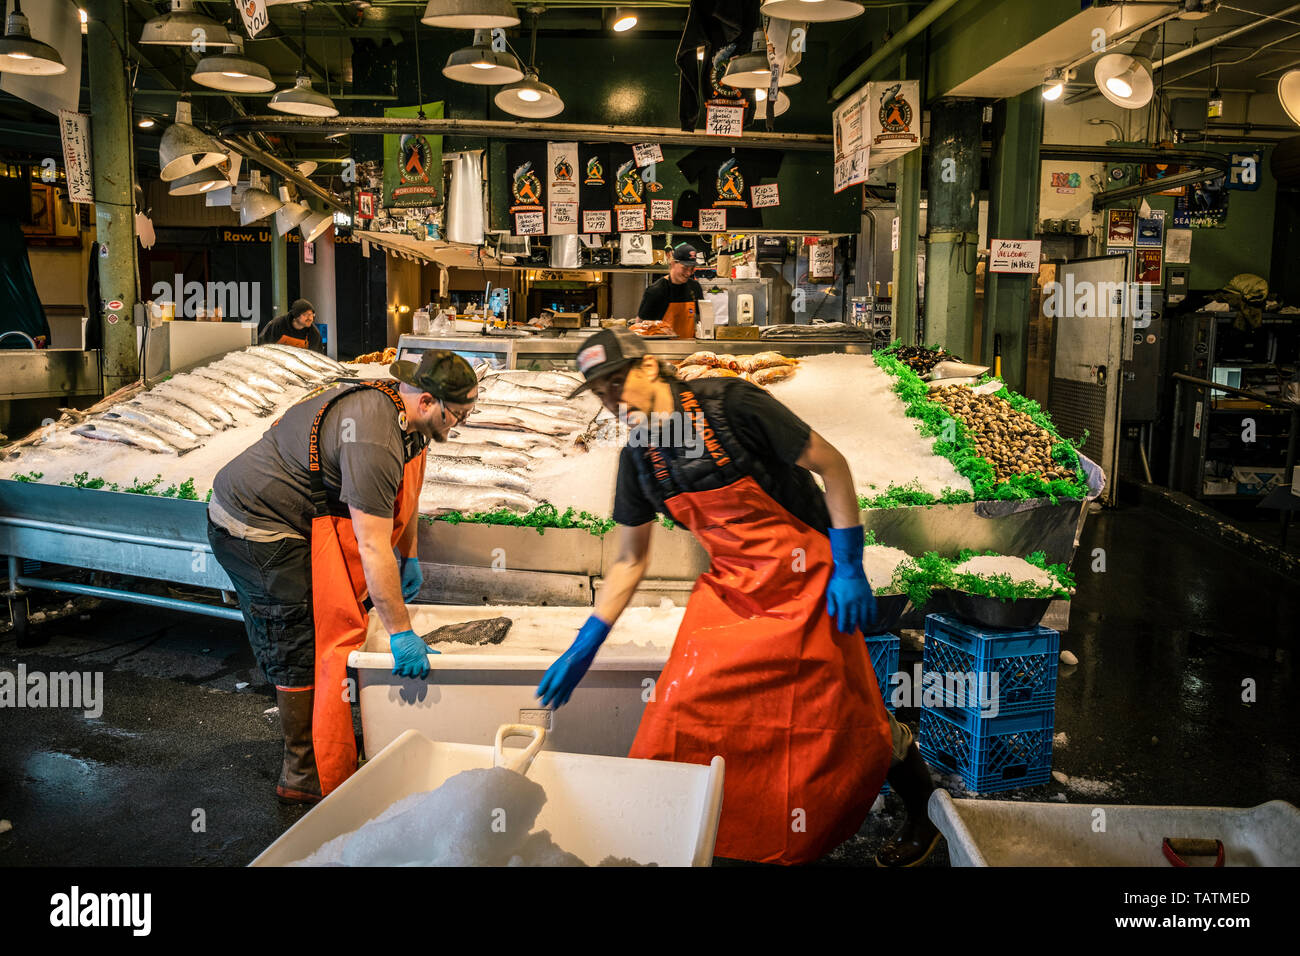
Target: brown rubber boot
(299, 781)
(917, 838)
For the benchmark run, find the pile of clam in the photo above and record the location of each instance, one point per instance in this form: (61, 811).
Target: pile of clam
(1010, 440)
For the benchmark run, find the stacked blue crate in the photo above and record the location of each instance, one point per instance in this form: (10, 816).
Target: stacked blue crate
(997, 736)
(883, 650)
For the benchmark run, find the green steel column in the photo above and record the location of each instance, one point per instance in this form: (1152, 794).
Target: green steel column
(953, 221)
(114, 192)
(909, 224)
(279, 263)
(1013, 214)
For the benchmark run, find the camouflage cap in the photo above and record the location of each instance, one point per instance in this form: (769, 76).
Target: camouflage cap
(444, 375)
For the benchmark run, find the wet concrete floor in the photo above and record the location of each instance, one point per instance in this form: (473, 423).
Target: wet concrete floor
(180, 767)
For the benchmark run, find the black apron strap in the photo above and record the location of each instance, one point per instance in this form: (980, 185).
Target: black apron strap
(319, 497)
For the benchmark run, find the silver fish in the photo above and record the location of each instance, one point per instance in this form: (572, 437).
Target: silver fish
(439, 498)
(296, 363)
(166, 428)
(255, 377)
(488, 454)
(562, 382)
(564, 412)
(469, 471)
(170, 408)
(211, 409)
(237, 385)
(280, 372)
(107, 429)
(495, 388)
(322, 363)
(520, 419)
(506, 438)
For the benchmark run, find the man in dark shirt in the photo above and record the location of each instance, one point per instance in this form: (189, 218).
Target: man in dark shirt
(673, 298)
(295, 327)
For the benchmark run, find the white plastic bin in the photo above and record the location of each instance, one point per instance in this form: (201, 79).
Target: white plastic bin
(651, 811)
(471, 691)
(1014, 833)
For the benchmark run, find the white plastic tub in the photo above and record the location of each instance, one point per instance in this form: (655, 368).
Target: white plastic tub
(1014, 833)
(651, 811)
(471, 691)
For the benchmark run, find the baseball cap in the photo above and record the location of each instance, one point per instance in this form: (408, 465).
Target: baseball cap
(605, 353)
(443, 374)
(687, 254)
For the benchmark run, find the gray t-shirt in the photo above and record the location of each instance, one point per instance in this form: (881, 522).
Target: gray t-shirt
(264, 494)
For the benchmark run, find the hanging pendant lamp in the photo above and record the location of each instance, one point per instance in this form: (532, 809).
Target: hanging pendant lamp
(291, 214)
(812, 11)
(530, 97)
(230, 70)
(316, 225)
(178, 27)
(1126, 78)
(760, 103)
(205, 180)
(256, 203)
(185, 149)
(481, 65)
(752, 71)
(19, 53)
(300, 99)
(470, 14)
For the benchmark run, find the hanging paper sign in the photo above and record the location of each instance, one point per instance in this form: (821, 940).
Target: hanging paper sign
(309, 253)
(821, 261)
(661, 209)
(597, 220)
(852, 152)
(724, 121)
(895, 119)
(713, 220)
(766, 194)
(254, 14)
(530, 223)
(647, 154)
(893, 235)
(75, 130)
(1014, 255)
(413, 162)
(631, 219)
(562, 188)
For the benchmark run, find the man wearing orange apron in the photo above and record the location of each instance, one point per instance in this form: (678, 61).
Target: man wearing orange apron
(769, 669)
(296, 327)
(313, 519)
(674, 298)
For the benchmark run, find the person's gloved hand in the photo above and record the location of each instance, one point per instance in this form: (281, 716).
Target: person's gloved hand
(848, 595)
(412, 578)
(563, 676)
(410, 654)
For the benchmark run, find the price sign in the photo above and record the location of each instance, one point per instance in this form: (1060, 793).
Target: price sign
(596, 220)
(766, 194)
(631, 219)
(530, 223)
(724, 121)
(661, 209)
(713, 220)
(647, 154)
(564, 214)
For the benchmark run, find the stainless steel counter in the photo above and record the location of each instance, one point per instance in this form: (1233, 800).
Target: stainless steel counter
(47, 373)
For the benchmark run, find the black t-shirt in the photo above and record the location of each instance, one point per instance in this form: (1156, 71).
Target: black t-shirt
(664, 291)
(766, 429)
(283, 325)
(725, 177)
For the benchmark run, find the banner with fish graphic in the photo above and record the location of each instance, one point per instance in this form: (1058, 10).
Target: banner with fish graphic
(413, 162)
(893, 109)
(562, 192)
(595, 196)
(629, 192)
(527, 169)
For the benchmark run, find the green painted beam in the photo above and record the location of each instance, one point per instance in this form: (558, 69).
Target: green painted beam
(279, 263)
(909, 216)
(952, 246)
(1013, 214)
(975, 34)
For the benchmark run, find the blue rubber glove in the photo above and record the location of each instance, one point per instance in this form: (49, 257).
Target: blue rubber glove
(412, 578)
(563, 676)
(410, 655)
(848, 595)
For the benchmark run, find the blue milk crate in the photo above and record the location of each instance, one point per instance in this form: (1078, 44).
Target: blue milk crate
(883, 649)
(1025, 661)
(990, 753)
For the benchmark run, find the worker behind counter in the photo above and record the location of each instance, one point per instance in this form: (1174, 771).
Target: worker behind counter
(307, 537)
(295, 327)
(674, 298)
(769, 669)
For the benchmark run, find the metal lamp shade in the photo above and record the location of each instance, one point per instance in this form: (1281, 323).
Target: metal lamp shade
(301, 100)
(1288, 91)
(234, 72)
(530, 98)
(760, 106)
(470, 14)
(812, 11)
(290, 214)
(1135, 71)
(315, 226)
(751, 71)
(19, 53)
(205, 180)
(481, 65)
(177, 28)
(184, 149)
(256, 205)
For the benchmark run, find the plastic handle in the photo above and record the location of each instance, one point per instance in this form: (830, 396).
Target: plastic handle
(521, 763)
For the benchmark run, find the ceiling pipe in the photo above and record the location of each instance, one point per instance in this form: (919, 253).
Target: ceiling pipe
(1216, 40)
(285, 171)
(909, 31)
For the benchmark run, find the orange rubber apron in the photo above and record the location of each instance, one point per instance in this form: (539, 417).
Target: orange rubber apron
(290, 340)
(338, 585)
(681, 316)
(761, 675)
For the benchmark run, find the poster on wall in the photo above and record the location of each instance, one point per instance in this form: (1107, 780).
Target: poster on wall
(894, 116)
(1179, 248)
(1148, 266)
(1151, 230)
(413, 162)
(1204, 207)
(1120, 226)
(1128, 258)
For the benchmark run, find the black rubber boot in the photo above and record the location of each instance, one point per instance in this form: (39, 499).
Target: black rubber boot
(917, 837)
(299, 781)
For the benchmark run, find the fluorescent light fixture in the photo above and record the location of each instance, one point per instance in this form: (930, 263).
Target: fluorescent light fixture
(177, 28)
(230, 70)
(624, 19)
(530, 97)
(481, 65)
(470, 14)
(19, 53)
(812, 11)
(185, 149)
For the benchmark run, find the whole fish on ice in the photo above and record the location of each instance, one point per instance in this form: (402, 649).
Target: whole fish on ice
(170, 408)
(529, 442)
(519, 419)
(561, 382)
(488, 454)
(126, 433)
(438, 497)
(256, 377)
(210, 408)
(469, 471)
(237, 385)
(166, 428)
